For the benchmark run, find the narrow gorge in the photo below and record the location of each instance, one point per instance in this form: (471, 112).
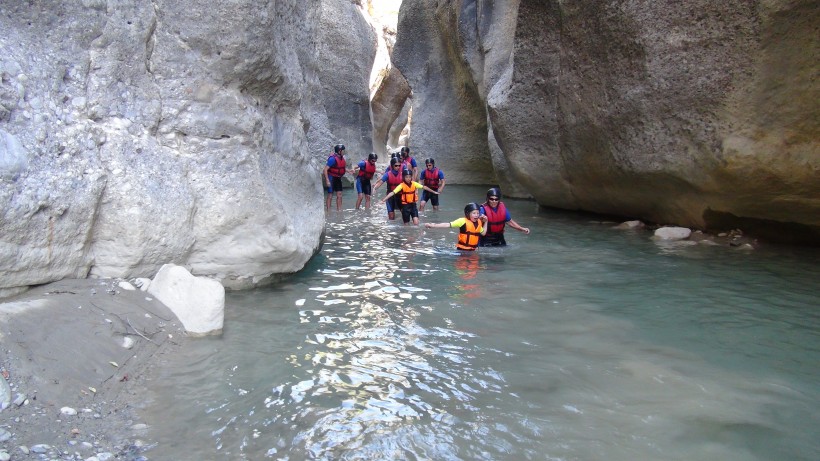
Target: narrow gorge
(150, 132)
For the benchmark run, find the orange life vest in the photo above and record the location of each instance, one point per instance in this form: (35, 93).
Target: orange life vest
(468, 235)
(408, 193)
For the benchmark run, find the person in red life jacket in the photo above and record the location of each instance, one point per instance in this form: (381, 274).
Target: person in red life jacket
(335, 169)
(470, 228)
(433, 178)
(497, 218)
(393, 179)
(408, 162)
(407, 191)
(364, 172)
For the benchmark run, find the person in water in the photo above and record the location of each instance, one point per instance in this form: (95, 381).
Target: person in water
(497, 218)
(408, 162)
(335, 169)
(364, 172)
(470, 228)
(393, 179)
(433, 178)
(407, 191)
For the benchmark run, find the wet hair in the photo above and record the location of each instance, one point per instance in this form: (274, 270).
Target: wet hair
(404, 150)
(494, 192)
(394, 161)
(372, 156)
(431, 161)
(338, 148)
(469, 208)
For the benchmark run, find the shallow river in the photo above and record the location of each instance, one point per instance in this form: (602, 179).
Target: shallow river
(576, 342)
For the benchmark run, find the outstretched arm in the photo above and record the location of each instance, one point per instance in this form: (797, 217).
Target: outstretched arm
(518, 227)
(436, 224)
(430, 190)
(387, 196)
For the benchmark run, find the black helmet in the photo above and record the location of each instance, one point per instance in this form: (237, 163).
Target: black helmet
(338, 148)
(494, 192)
(373, 157)
(405, 150)
(470, 207)
(394, 161)
(406, 172)
(431, 161)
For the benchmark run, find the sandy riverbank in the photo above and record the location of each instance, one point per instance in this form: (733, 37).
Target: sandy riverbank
(84, 346)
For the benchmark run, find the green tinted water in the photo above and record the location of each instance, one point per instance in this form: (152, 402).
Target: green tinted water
(577, 342)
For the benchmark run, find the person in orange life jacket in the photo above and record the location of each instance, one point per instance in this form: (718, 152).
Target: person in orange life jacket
(364, 172)
(335, 169)
(433, 178)
(470, 228)
(393, 178)
(407, 191)
(497, 217)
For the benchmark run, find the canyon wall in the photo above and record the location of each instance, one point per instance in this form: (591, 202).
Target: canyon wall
(698, 113)
(134, 134)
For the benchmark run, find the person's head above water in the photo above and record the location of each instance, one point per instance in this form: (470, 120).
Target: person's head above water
(339, 149)
(494, 193)
(470, 209)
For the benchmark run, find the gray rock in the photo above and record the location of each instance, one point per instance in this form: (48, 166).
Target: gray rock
(140, 141)
(623, 109)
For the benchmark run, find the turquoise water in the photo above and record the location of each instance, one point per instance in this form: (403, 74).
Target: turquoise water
(576, 342)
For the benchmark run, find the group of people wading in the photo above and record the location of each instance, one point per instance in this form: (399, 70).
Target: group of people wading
(482, 225)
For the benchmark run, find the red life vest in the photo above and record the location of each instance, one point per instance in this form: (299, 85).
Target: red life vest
(496, 219)
(408, 193)
(468, 235)
(431, 178)
(339, 170)
(393, 180)
(369, 170)
(407, 164)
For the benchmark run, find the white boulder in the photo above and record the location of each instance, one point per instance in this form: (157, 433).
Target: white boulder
(198, 302)
(673, 233)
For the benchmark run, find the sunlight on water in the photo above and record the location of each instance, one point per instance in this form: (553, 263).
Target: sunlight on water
(575, 342)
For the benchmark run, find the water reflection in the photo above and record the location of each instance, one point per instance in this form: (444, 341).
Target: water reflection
(576, 342)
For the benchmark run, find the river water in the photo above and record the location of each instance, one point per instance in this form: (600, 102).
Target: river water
(576, 342)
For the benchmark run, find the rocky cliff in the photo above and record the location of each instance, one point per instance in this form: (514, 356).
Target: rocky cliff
(134, 134)
(696, 113)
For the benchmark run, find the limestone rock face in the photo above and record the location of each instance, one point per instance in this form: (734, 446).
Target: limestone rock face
(347, 49)
(140, 133)
(449, 121)
(694, 113)
(388, 105)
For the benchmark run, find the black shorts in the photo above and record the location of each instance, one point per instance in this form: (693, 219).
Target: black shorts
(429, 197)
(363, 186)
(335, 184)
(492, 240)
(409, 211)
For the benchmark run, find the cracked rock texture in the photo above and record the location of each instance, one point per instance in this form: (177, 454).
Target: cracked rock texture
(134, 134)
(698, 113)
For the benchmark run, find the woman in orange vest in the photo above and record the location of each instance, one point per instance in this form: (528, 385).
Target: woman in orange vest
(407, 191)
(470, 228)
